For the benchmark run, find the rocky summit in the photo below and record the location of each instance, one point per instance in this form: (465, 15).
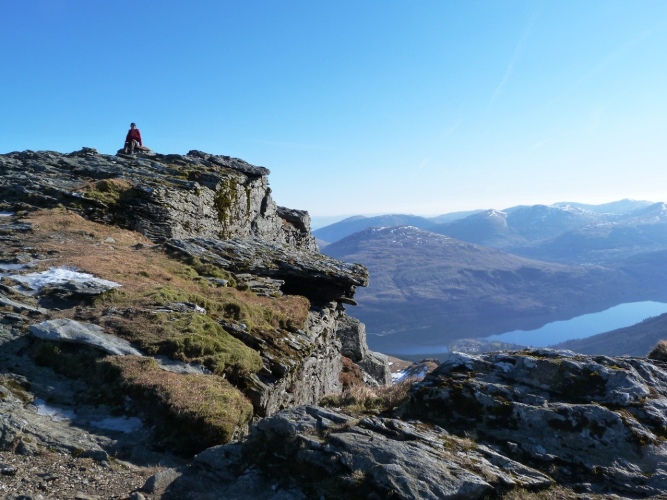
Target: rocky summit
(168, 331)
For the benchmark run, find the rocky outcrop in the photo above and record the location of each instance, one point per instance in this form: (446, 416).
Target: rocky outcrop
(312, 452)
(161, 196)
(319, 278)
(307, 371)
(477, 427)
(214, 213)
(597, 424)
(375, 366)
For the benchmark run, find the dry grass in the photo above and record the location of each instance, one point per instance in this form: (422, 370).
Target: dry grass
(362, 398)
(108, 191)
(351, 374)
(195, 411)
(659, 352)
(190, 411)
(151, 279)
(553, 493)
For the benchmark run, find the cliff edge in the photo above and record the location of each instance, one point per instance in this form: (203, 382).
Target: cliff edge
(166, 295)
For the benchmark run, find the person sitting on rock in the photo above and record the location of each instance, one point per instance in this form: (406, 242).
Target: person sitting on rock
(133, 139)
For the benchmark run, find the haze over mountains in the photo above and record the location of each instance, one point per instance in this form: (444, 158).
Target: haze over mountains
(494, 271)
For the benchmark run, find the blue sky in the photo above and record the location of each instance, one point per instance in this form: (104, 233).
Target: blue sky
(357, 107)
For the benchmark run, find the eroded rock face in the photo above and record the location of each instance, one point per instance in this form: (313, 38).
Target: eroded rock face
(596, 423)
(305, 372)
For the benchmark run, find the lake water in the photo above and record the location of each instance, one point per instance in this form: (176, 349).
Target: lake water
(584, 326)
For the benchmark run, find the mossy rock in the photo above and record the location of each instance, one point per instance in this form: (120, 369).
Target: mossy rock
(109, 191)
(192, 412)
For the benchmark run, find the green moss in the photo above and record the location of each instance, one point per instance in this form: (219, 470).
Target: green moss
(501, 409)
(225, 199)
(581, 384)
(248, 198)
(194, 337)
(110, 191)
(71, 360)
(209, 269)
(16, 388)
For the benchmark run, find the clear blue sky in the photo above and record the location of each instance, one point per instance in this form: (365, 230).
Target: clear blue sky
(357, 107)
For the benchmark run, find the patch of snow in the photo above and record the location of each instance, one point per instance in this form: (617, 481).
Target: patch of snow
(122, 424)
(54, 413)
(174, 366)
(58, 275)
(11, 267)
(6, 214)
(460, 359)
(398, 377)
(505, 367)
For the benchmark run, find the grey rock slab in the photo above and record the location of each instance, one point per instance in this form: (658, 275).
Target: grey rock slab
(18, 306)
(586, 419)
(316, 276)
(302, 449)
(67, 330)
(161, 480)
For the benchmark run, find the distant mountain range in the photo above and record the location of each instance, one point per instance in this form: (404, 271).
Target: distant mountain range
(472, 277)
(497, 228)
(351, 225)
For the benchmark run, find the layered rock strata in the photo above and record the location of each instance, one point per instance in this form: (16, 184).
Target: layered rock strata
(161, 196)
(214, 210)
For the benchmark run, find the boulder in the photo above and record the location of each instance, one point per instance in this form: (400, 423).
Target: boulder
(594, 423)
(352, 334)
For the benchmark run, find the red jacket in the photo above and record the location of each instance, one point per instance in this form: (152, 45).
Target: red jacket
(133, 134)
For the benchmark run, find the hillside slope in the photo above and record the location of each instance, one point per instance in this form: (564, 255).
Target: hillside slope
(635, 340)
(429, 290)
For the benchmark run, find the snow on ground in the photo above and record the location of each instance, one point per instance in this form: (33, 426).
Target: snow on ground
(58, 414)
(122, 424)
(54, 413)
(410, 373)
(4, 266)
(57, 276)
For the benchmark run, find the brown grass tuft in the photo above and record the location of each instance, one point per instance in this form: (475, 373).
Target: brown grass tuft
(362, 398)
(659, 352)
(351, 374)
(194, 411)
